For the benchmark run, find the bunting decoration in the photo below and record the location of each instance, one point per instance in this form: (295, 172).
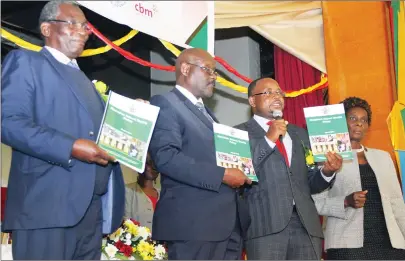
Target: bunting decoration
(396, 118)
(116, 46)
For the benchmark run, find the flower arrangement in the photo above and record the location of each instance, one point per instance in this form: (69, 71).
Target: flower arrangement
(309, 156)
(132, 242)
(102, 88)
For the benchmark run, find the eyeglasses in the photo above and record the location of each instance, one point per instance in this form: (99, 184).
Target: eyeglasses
(271, 93)
(72, 25)
(206, 69)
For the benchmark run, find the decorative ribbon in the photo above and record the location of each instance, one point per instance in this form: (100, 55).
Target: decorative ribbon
(89, 52)
(115, 45)
(322, 84)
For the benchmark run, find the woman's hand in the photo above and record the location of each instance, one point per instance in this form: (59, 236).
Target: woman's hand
(356, 199)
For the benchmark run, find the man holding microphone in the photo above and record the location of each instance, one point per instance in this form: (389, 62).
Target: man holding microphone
(284, 220)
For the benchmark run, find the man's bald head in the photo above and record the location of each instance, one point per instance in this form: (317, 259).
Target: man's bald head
(192, 55)
(195, 71)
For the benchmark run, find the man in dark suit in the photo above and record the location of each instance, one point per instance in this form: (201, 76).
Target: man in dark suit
(284, 220)
(63, 191)
(197, 211)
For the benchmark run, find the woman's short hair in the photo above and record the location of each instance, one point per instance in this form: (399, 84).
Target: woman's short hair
(356, 102)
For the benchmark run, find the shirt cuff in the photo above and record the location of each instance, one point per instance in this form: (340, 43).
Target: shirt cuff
(327, 179)
(271, 144)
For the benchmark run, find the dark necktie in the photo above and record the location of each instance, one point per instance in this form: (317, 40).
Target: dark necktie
(281, 147)
(201, 107)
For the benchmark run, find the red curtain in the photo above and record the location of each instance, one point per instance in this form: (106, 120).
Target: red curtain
(3, 201)
(293, 74)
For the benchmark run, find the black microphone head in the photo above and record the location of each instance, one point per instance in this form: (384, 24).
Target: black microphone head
(277, 114)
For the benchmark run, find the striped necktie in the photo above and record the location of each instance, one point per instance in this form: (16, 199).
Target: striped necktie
(201, 108)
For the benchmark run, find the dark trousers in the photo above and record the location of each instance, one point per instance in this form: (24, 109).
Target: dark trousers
(292, 243)
(229, 249)
(80, 242)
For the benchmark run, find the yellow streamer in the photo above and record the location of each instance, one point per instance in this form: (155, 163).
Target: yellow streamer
(293, 94)
(243, 89)
(20, 42)
(89, 52)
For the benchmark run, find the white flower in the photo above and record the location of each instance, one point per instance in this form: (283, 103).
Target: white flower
(111, 250)
(131, 258)
(128, 236)
(159, 251)
(143, 232)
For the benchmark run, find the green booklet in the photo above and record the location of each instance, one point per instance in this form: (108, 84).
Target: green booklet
(126, 130)
(233, 149)
(327, 130)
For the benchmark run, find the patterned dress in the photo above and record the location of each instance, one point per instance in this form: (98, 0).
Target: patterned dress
(377, 244)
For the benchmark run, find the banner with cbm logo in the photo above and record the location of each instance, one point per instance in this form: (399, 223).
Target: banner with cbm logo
(184, 23)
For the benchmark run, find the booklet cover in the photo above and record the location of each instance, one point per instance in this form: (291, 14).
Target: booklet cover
(327, 130)
(232, 149)
(126, 130)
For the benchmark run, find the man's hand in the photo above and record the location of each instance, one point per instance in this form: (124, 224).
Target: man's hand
(235, 178)
(356, 199)
(332, 164)
(88, 151)
(278, 128)
(144, 101)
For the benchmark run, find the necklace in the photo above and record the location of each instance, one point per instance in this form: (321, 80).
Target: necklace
(359, 150)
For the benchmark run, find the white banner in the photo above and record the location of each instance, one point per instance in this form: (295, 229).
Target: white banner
(184, 23)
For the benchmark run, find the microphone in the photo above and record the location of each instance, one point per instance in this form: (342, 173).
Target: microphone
(278, 115)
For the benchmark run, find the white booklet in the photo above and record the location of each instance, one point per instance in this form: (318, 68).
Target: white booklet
(232, 149)
(327, 130)
(126, 130)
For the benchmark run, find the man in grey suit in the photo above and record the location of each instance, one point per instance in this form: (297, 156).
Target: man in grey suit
(197, 213)
(284, 220)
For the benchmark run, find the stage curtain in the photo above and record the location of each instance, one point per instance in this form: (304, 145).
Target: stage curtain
(295, 26)
(3, 201)
(293, 74)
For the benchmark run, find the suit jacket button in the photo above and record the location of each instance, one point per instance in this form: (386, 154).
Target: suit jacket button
(91, 133)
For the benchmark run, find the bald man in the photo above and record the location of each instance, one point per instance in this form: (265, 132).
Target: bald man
(197, 213)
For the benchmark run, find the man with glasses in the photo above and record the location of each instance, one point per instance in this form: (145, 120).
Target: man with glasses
(284, 220)
(197, 210)
(64, 191)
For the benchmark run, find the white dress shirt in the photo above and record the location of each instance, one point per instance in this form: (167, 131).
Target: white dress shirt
(188, 95)
(287, 141)
(60, 57)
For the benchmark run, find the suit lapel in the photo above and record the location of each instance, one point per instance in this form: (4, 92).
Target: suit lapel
(255, 130)
(72, 85)
(296, 144)
(195, 110)
(211, 114)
